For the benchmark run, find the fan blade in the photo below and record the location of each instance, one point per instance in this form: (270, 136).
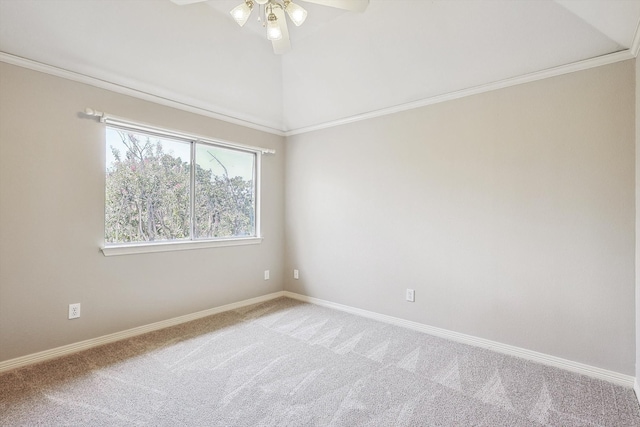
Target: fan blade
(352, 5)
(284, 44)
(183, 2)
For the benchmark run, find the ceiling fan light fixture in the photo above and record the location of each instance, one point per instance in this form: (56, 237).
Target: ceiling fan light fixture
(296, 12)
(275, 24)
(241, 12)
(274, 32)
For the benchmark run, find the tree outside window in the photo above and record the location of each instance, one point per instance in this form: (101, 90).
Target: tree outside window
(155, 192)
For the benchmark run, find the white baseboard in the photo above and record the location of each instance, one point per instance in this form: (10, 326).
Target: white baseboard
(106, 339)
(545, 359)
(580, 368)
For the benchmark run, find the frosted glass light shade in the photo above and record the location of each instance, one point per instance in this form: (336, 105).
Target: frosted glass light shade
(273, 28)
(241, 12)
(297, 13)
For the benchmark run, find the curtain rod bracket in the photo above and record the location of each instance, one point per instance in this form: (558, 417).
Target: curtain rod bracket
(93, 113)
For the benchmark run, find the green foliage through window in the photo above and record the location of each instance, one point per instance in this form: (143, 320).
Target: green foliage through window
(154, 192)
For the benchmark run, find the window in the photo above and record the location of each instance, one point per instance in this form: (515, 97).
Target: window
(164, 188)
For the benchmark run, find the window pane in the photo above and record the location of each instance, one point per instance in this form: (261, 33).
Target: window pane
(225, 196)
(147, 188)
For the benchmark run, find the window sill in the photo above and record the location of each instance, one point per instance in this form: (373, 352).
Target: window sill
(142, 248)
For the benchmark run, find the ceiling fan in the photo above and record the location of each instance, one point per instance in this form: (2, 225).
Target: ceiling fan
(272, 15)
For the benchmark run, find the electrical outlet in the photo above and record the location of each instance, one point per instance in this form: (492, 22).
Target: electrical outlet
(296, 274)
(74, 311)
(266, 275)
(411, 295)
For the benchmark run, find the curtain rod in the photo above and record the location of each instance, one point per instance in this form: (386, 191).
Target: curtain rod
(115, 120)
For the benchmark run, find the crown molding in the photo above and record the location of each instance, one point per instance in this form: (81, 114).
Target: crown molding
(252, 124)
(500, 84)
(169, 100)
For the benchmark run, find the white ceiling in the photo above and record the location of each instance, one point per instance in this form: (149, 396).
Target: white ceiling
(342, 64)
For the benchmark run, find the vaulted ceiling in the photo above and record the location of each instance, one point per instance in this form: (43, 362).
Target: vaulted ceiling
(342, 64)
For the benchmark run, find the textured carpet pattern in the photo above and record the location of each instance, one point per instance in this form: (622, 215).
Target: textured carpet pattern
(286, 363)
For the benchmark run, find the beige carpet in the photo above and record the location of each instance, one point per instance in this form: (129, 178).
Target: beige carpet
(286, 363)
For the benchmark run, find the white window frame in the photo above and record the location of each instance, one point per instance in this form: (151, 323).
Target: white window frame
(178, 245)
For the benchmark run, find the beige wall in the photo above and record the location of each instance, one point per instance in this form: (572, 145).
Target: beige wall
(511, 213)
(51, 222)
